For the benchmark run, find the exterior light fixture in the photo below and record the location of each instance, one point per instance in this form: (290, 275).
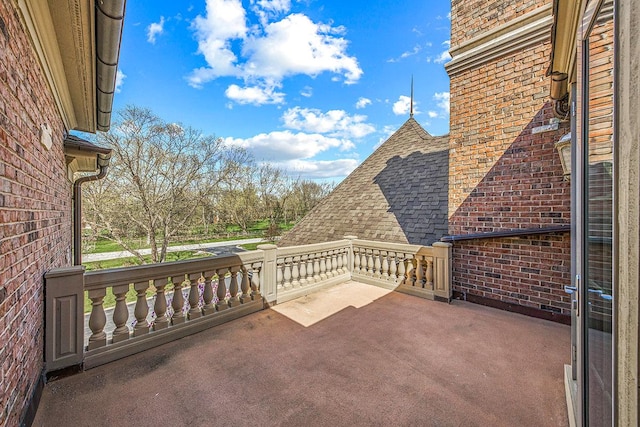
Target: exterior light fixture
(564, 151)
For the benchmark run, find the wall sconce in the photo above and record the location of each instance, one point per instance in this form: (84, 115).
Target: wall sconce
(564, 151)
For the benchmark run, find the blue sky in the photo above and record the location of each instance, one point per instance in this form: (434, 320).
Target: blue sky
(310, 86)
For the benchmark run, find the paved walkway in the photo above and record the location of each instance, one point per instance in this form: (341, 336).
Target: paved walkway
(382, 359)
(193, 247)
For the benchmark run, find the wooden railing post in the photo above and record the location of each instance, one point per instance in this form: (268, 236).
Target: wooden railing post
(64, 317)
(442, 270)
(268, 273)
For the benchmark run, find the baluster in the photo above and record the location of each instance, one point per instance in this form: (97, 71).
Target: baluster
(419, 272)
(287, 273)
(303, 270)
(377, 267)
(310, 269)
(401, 269)
(255, 282)
(245, 286)
(120, 313)
(328, 262)
(334, 263)
(356, 260)
(222, 290)
(207, 295)
(369, 262)
(160, 305)
(316, 267)
(393, 268)
(97, 319)
(323, 266)
(345, 261)
(177, 304)
(295, 274)
(409, 273)
(363, 261)
(194, 296)
(279, 275)
(339, 257)
(233, 287)
(429, 275)
(385, 265)
(142, 309)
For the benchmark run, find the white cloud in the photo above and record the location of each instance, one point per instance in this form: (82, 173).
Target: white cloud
(447, 43)
(335, 123)
(443, 100)
(155, 29)
(296, 45)
(225, 20)
(432, 114)
(307, 92)
(274, 5)
(120, 76)
(286, 145)
(269, 9)
(362, 103)
(416, 49)
(270, 52)
(256, 95)
(310, 169)
(449, 15)
(442, 58)
(403, 106)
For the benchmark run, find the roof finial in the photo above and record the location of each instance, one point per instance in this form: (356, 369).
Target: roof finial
(411, 112)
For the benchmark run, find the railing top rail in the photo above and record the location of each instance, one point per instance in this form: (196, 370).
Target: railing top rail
(388, 246)
(125, 275)
(314, 247)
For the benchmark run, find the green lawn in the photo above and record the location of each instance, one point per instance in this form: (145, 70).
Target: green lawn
(257, 229)
(251, 246)
(131, 261)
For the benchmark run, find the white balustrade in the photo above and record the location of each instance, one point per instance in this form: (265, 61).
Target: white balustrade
(223, 288)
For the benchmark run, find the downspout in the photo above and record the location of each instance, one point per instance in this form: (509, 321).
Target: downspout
(103, 163)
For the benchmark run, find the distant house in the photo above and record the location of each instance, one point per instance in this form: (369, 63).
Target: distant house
(58, 62)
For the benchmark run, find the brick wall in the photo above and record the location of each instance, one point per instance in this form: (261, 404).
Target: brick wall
(35, 212)
(473, 17)
(502, 176)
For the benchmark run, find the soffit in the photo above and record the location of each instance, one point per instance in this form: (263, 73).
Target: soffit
(62, 33)
(83, 156)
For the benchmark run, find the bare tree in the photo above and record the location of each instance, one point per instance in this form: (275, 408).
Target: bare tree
(160, 176)
(239, 201)
(305, 194)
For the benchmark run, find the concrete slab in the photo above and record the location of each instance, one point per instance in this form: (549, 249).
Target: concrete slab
(318, 306)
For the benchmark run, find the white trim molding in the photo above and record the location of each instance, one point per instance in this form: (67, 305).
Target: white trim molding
(529, 29)
(63, 40)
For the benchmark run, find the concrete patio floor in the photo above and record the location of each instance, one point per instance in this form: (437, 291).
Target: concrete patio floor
(352, 355)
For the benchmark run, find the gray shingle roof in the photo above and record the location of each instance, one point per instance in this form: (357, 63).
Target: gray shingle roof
(398, 194)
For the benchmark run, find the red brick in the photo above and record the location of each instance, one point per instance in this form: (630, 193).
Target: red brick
(35, 196)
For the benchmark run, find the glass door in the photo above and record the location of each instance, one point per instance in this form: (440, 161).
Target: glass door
(595, 237)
